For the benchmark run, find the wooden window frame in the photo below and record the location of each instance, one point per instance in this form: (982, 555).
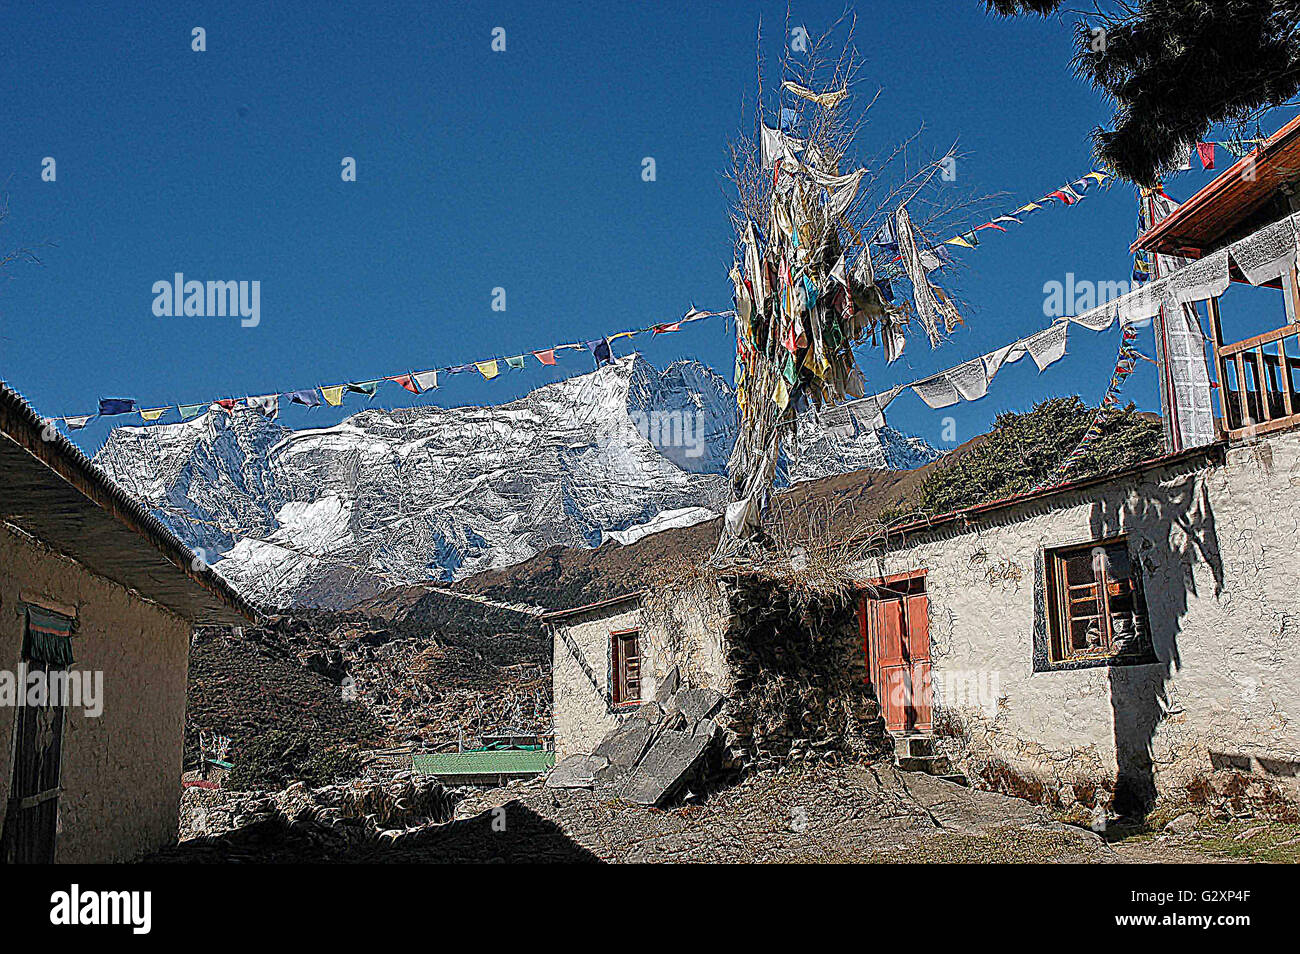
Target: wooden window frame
(625, 685)
(1060, 621)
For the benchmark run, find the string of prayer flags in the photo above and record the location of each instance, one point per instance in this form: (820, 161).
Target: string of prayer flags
(1069, 194)
(417, 383)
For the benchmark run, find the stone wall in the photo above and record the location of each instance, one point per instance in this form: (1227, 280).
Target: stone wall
(1217, 546)
(681, 627)
(121, 770)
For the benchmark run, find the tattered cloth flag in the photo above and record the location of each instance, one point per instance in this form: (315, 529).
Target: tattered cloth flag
(546, 357)
(77, 423)
(970, 379)
(937, 391)
(364, 387)
(405, 381)
(426, 380)
(305, 398)
(267, 405)
(1047, 346)
(488, 369)
(829, 99)
(599, 348)
(929, 305)
(153, 413)
(775, 146)
(110, 406)
(517, 362)
(334, 394)
(188, 411)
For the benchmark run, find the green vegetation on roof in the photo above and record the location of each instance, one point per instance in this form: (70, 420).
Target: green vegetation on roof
(489, 762)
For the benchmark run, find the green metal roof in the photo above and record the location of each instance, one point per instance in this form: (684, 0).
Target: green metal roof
(490, 762)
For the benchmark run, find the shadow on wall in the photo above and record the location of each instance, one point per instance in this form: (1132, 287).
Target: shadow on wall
(1168, 534)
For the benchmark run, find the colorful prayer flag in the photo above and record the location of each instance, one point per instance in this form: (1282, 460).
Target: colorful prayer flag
(426, 380)
(334, 394)
(153, 413)
(488, 369)
(516, 362)
(78, 422)
(110, 406)
(305, 398)
(405, 381)
(188, 411)
(1206, 152)
(364, 387)
(546, 357)
(267, 405)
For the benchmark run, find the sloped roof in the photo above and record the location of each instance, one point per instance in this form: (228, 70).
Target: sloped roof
(1248, 194)
(51, 490)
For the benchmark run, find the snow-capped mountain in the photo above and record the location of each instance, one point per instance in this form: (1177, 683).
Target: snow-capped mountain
(329, 516)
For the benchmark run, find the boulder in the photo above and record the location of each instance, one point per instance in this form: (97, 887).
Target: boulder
(625, 744)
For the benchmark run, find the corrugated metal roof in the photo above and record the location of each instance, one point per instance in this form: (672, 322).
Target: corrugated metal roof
(491, 762)
(51, 490)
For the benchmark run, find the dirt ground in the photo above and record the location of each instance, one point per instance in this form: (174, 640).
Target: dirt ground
(857, 813)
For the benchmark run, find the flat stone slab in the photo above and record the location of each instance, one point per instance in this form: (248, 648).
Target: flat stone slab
(697, 704)
(577, 771)
(625, 744)
(668, 686)
(661, 770)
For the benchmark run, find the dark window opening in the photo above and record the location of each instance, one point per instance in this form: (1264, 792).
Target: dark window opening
(625, 651)
(1096, 609)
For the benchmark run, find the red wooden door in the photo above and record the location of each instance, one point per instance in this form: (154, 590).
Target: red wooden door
(896, 635)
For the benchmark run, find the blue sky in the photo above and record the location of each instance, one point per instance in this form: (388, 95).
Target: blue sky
(478, 170)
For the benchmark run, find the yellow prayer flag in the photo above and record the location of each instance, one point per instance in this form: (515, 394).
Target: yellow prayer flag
(622, 334)
(1029, 208)
(1099, 176)
(152, 414)
(781, 394)
(487, 368)
(334, 394)
(958, 240)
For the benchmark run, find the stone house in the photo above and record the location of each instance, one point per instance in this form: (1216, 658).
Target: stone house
(98, 601)
(1115, 636)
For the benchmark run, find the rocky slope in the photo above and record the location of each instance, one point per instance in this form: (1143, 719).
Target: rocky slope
(325, 517)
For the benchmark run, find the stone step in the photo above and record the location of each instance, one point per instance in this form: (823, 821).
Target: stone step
(928, 764)
(956, 778)
(914, 746)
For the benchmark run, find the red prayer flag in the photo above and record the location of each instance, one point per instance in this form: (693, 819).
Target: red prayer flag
(546, 357)
(1206, 151)
(405, 381)
(661, 329)
(226, 404)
